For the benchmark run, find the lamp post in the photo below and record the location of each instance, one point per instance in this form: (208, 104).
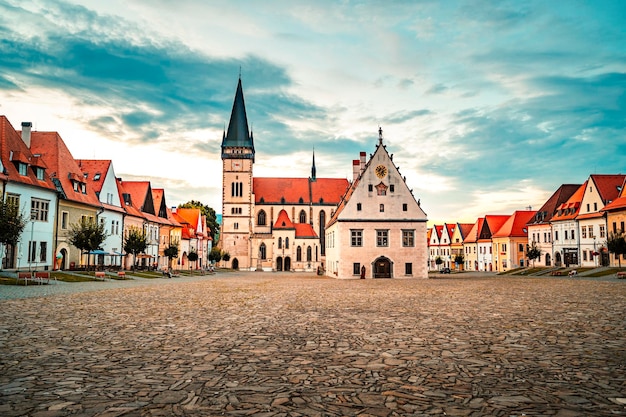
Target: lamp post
(31, 249)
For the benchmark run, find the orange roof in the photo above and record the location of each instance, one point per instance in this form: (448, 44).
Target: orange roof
(96, 170)
(465, 229)
(472, 235)
(11, 141)
(63, 167)
(549, 208)
(283, 222)
(303, 230)
(450, 228)
(299, 190)
(608, 186)
(515, 225)
(618, 204)
(570, 208)
(491, 224)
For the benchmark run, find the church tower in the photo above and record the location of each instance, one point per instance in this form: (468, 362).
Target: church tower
(237, 196)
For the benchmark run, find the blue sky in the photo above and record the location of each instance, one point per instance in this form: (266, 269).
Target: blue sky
(487, 106)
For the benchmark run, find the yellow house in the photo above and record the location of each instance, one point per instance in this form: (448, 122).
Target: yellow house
(616, 222)
(509, 242)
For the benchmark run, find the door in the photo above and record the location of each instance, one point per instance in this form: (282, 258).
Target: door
(287, 263)
(279, 263)
(382, 268)
(235, 264)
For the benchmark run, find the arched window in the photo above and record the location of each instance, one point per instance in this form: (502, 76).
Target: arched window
(299, 254)
(261, 218)
(302, 216)
(286, 243)
(309, 254)
(263, 251)
(280, 243)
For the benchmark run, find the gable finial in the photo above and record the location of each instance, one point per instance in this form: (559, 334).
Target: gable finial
(313, 170)
(380, 135)
(240, 72)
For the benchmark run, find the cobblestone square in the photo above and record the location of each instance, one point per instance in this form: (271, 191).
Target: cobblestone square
(286, 344)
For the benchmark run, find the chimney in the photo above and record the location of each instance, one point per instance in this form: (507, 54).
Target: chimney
(356, 169)
(26, 126)
(362, 155)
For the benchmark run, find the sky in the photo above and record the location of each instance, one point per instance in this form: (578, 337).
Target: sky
(487, 106)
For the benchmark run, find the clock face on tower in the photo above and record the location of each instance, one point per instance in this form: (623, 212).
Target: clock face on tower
(381, 171)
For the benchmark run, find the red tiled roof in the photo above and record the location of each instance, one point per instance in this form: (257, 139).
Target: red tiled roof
(283, 221)
(616, 205)
(549, 208)
(62, 165)
(472, 235)
(465, 229)
(491, 224)
(515, 225)
(450, 228)
(92, 167)
(564, 212)
(305, 230)
(299, 190)
(11, 140)
(608, 186)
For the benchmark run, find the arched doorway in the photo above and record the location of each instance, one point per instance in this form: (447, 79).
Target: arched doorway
(548, 260)
(287, 263)
(475, 265)
(557, 259)
(382, 268)
(279, 263)
(235, 264)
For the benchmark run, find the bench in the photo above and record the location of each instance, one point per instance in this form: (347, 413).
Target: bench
(553, 273)
(99, 274)
(41, 277)
(121, 274)
(25, 276)
(620, 275)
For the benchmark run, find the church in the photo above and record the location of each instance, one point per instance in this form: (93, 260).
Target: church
(370, 227)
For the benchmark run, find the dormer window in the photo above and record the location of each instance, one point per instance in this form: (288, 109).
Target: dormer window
(39, 173)
(83, 188)
(22, 168)
(96, 177)
(75, 185)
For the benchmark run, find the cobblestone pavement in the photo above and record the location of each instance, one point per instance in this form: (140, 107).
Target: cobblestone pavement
(272, 344)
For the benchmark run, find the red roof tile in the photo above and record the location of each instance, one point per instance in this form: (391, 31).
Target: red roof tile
(608, 186)
(472, 235)
(96, 171)
(283, 222)
(491, 224)
(618, 204)
(515, 225)
(299, 190)
(569, 209)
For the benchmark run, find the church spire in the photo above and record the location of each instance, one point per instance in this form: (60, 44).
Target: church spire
(313, 177)
(238, 136)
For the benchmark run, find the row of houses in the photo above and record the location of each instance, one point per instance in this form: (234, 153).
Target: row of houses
(570, 230)
(55, 191)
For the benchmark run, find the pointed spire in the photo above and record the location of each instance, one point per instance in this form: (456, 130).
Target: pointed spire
(313, 171)
(238, 135)
(380, 135)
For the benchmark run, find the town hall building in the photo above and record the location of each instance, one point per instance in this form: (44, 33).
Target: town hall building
(307, 224)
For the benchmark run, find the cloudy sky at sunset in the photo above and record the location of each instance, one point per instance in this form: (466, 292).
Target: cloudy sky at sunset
(487, 106)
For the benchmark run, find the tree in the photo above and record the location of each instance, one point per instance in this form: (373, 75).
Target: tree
(12, 223)
(193, 257)
(87, 236)
(171, 252)
(616, 244)
(533, 252)
(226, 256)
(438, 261)
(215, 255)
(209, 213)
(459, 259)
(135, 242)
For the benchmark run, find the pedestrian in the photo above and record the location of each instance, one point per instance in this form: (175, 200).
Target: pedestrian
(363, 272)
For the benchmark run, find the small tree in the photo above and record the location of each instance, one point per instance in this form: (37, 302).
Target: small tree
(135, 242)
(438, 261)
(533, 252)
(215, 255)
(226, 256)
(193, 257)
(12, 223)
(171, 252)
(87, 236)
(459, 259)
(616, 244)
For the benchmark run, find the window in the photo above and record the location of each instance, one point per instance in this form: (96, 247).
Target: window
(391, 188)
(584, 255)
(280, 243)
(356, 237)
(309, 254)
(622, 227)
(572, 234)
(83, 188)
(381, 208)
(583, 232)
(32, 251)
(556, 235)
(381, 189)
(64, 220)
(39, 173)
(236, 189)
(39, 209)
(358, 206)
(602, 231)
(405, 207)
(13, 200)
(302, 216)
(261, 218)
(521, 247)
(595, 206)
(263, 252)
(408, 268)
(96, 177)
(43, 250)
(588, 208)
(370, 188)
(382, 238)
(22, 168)
(236, 226)
(299, 254)
(566, 235)
(356, 268)
(408, 238)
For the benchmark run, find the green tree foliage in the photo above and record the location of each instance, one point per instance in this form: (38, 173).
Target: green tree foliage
(192, 256)
(616, 244)
(215, 255)
(135, 242)
(533, 252)
(226, 256)
(171, 252)
(211, 218)
(438, 260)
(12, 223)
(459, 259)
(87, 236)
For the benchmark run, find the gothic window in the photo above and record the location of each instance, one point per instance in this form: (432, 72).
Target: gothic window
(262, 251)
(322, 233)
(286, 243)
(299, 254)
(302, 216)
(280, 243)
(309, 254)
(261, 218)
